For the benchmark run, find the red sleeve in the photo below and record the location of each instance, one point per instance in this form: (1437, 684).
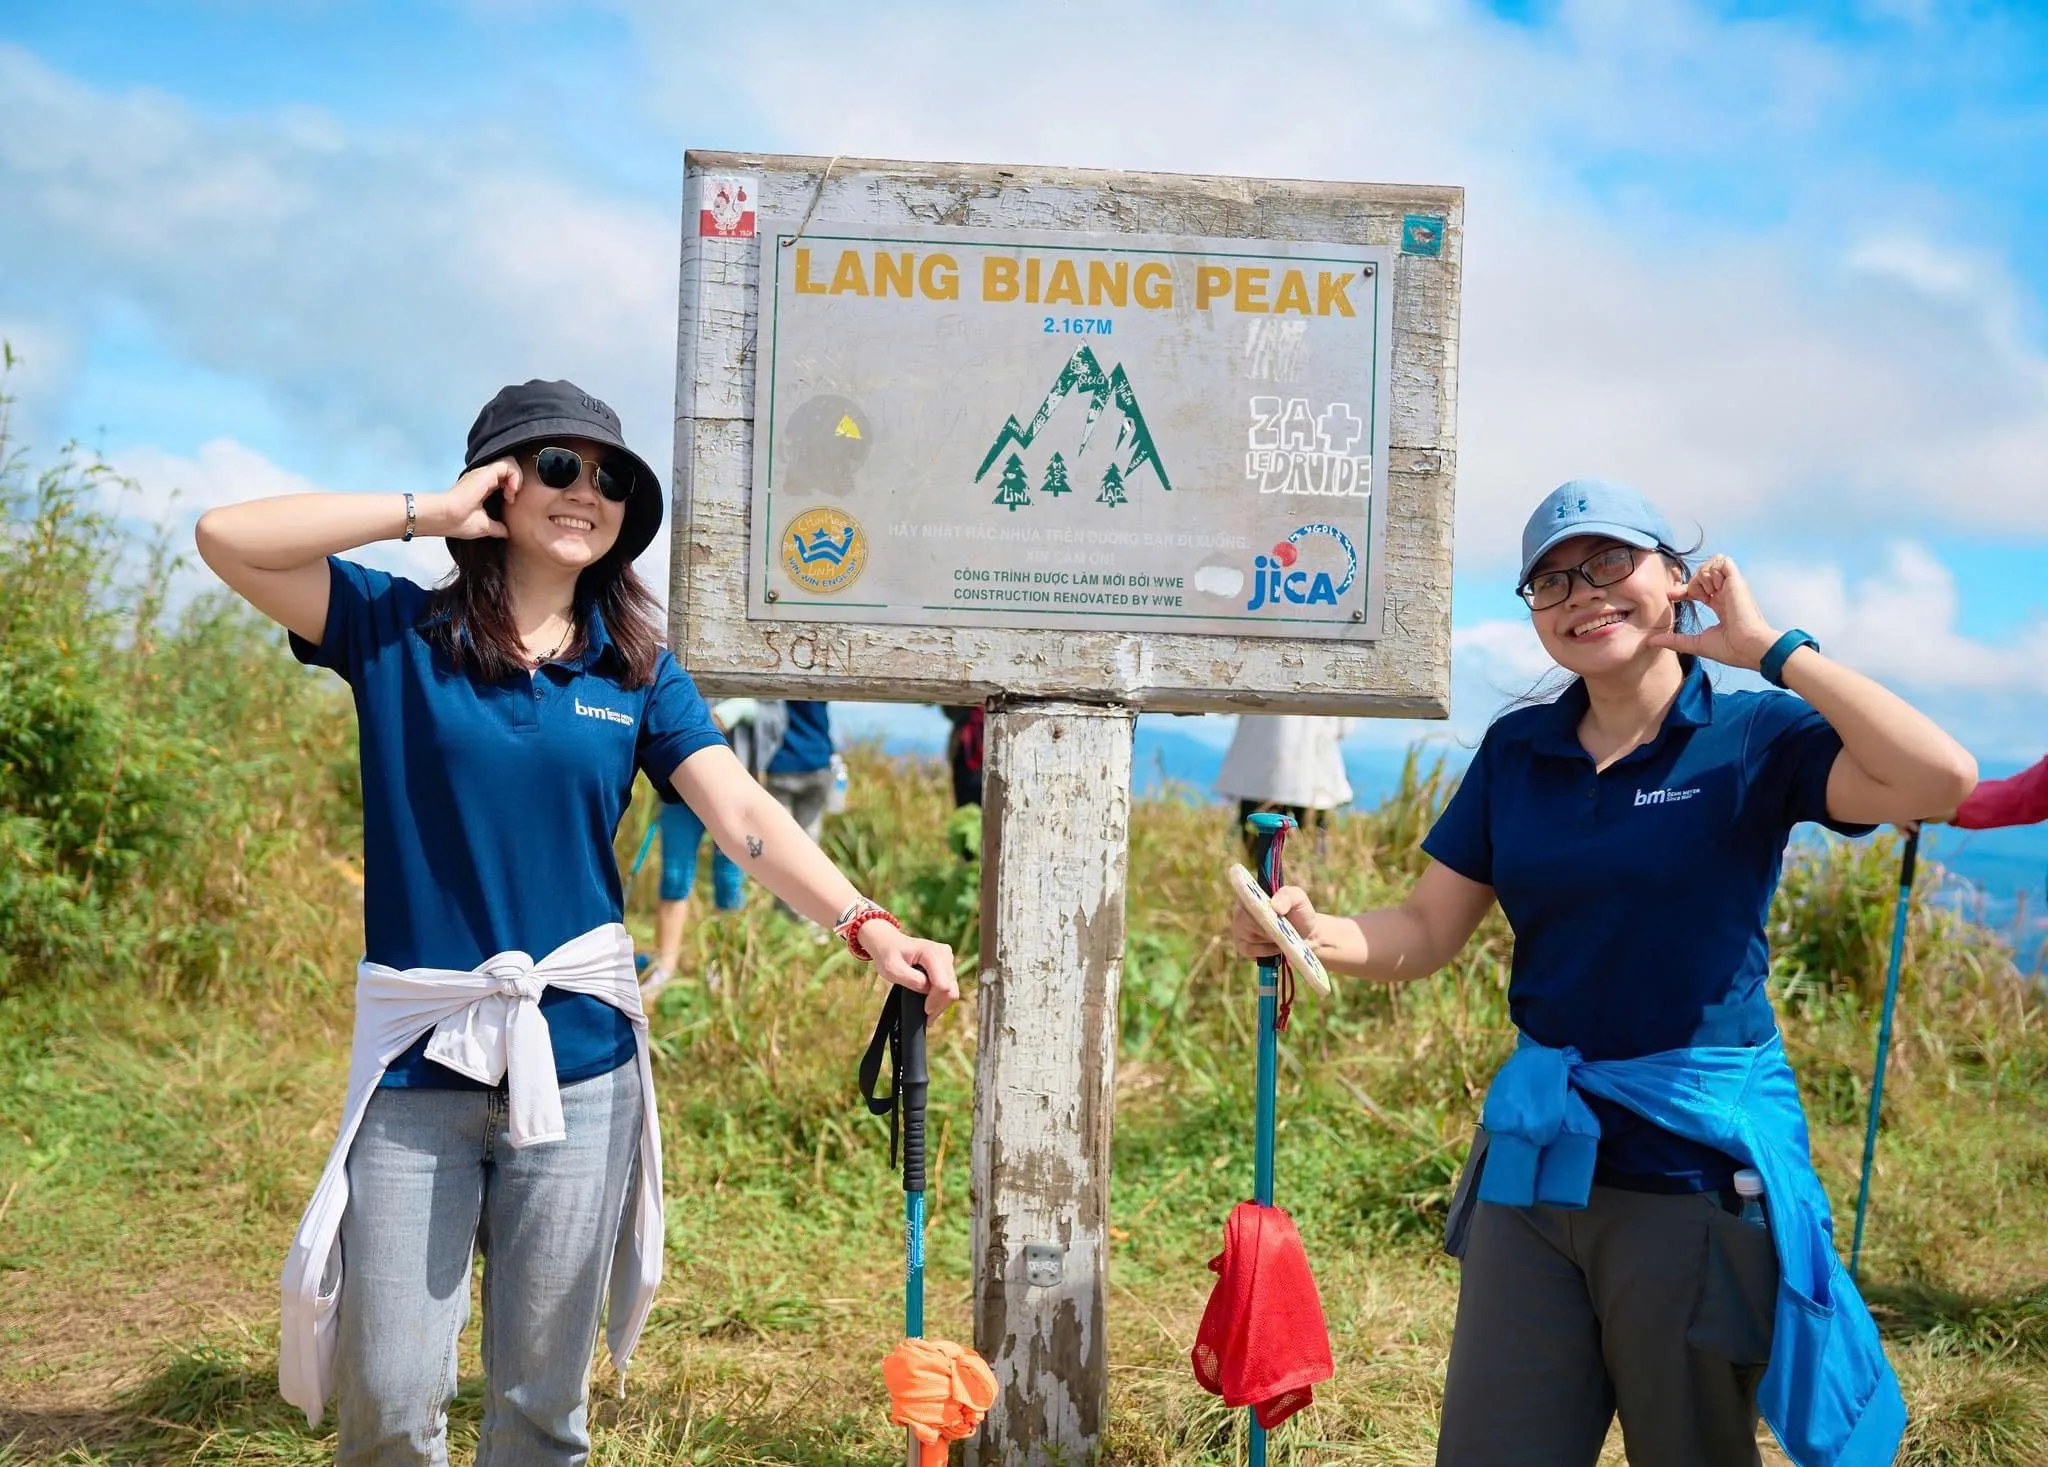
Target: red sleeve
(2020, 800)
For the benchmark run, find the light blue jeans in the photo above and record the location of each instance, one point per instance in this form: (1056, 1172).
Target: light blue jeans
(432, 1176)
(681, 835)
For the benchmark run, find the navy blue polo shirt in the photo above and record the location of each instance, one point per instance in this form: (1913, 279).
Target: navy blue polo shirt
(1639, 894)
(807, 747)
(489, 808)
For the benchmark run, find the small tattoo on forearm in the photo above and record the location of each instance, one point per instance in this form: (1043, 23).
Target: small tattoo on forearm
(754, 846)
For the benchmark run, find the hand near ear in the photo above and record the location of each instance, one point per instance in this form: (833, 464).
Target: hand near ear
(460, 514)
(1740, 636)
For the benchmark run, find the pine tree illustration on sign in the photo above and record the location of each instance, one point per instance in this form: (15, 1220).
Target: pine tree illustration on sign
(1016, 491)
(1112, 488)
(1056, 477)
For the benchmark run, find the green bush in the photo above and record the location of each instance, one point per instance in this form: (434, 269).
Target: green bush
(161, 774)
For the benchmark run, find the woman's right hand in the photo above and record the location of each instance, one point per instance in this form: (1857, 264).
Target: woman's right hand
(1250, 939)
(460, 514)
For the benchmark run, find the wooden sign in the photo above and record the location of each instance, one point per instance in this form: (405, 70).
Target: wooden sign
(947, 433)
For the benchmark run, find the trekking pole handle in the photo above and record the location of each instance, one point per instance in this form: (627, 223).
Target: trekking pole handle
(1266, 829)
(916, 1084)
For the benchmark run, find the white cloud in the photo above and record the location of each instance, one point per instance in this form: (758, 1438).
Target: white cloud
(1742, 374)
(1845, 363)
(379, 287)
(1508, 649)
(169, 487)
(1898, 624)
(174, 491)
(1778, 376)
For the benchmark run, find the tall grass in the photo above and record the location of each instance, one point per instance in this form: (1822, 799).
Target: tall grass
(180, 918)
(168, 781)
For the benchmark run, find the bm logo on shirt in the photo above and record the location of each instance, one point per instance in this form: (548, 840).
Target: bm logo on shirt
(612, 715)
(1664, 797)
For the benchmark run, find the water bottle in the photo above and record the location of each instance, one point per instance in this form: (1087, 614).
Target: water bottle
(1749, 1186)
(835, 802)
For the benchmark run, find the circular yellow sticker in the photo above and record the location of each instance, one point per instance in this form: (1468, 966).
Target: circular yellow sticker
(824, 550)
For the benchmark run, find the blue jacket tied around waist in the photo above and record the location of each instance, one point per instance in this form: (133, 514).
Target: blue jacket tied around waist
(1828, 1393)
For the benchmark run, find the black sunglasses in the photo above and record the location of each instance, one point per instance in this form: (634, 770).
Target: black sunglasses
(561, 467)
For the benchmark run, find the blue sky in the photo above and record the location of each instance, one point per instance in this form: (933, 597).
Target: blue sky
(1782, 266)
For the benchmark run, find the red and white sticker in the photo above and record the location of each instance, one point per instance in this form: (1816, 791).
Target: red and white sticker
(726, 206)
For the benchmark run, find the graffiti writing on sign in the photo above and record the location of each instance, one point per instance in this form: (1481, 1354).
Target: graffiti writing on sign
(808, 651)
(1293, 450)
(726, 207)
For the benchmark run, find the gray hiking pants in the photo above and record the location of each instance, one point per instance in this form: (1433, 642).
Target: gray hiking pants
(805, 796)
(1657, 1307)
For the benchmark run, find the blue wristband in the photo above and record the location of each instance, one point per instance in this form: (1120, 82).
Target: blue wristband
(1773, 664)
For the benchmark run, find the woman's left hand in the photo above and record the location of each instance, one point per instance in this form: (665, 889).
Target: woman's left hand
(1740, 635)
(915, 963)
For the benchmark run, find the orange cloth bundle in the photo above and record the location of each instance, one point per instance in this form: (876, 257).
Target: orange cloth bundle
(939, 1390)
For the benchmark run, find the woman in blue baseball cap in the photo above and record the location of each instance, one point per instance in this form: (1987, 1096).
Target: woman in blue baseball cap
(1640, 1227)
(500, 1098)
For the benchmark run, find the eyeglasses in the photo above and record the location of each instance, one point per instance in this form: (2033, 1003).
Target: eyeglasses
(559, 468)
(1551, 588)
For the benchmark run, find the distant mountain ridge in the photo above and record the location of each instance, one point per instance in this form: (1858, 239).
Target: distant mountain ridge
(1997, 876)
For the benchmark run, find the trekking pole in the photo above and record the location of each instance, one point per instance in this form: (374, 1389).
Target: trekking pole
(1884, 1039)
(1269, 831)
(646, 845)
(916, 1082)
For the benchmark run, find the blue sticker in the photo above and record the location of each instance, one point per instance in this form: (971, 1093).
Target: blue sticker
(1422, 234)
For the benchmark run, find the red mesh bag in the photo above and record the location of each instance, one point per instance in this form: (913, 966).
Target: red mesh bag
(1263, 1341)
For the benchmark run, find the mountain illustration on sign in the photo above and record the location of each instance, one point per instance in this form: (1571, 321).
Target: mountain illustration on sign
(1016, 490)
(1055, 476)
(1112, 488)
(1083, 374)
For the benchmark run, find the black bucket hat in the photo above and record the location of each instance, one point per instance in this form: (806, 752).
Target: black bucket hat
(540, 410)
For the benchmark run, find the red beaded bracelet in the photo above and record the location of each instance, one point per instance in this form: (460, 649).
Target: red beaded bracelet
(849, 930)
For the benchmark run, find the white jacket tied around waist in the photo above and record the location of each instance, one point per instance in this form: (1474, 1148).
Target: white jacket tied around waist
(487, 1025)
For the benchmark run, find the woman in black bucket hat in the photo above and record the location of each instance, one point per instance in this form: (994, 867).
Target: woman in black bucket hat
(500, 1097)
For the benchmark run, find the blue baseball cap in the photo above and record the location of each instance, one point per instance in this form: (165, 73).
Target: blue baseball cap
(1591, 507)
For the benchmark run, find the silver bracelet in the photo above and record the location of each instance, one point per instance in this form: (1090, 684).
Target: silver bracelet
(411, 520)
(858, 904)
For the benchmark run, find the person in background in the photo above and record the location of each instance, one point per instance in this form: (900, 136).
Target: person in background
(1288, 764)
(682, 835)
(963, 750)
(2020, 799)
(755, 728)
(799, 773)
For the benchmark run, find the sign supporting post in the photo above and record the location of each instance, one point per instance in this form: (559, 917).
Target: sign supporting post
(1056, 820)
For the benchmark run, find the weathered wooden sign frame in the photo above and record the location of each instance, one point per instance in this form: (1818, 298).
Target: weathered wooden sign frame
(1061, 702)
(1405, 673)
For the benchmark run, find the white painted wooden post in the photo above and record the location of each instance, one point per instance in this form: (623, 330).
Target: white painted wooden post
(1056, 802)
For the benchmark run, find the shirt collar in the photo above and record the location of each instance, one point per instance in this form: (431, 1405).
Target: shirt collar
(597, 643)
(1556, 731)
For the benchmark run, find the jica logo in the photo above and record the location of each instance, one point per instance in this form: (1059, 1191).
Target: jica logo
(1280, 579)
